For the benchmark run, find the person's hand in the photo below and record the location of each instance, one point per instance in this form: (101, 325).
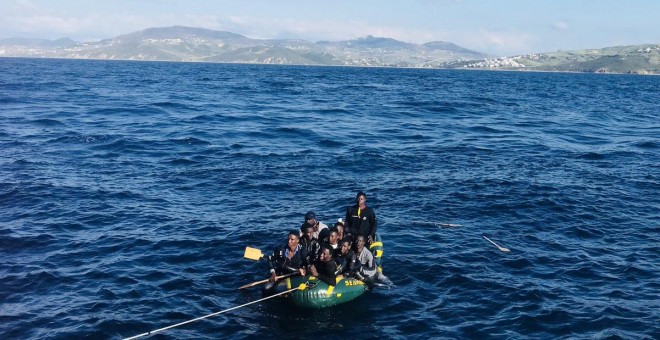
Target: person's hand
(302, 271)
(273, 276)
(314, 271)
(370, 239)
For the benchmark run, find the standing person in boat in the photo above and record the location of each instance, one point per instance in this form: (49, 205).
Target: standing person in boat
(347, 262)
(320, 228)
(325, 267)
(289, 258)
(311, 245)
(368, 269)
(360, 219)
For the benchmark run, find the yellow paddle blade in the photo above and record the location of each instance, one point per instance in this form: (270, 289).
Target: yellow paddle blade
(253, 254)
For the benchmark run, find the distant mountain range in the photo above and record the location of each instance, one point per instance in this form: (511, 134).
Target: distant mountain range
(188, 44)
(201, 45)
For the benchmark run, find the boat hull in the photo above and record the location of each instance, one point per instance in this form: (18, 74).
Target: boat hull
(316, 293)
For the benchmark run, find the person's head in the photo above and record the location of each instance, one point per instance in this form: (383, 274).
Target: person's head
(326, 254)
(340, 229)
(361, 198)
(359, 241)
(308, 232)
(293, 239)
(310, 218)
(345, 246)
(333, 236)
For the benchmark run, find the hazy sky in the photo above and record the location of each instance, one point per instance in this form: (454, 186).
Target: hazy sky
(501, 27)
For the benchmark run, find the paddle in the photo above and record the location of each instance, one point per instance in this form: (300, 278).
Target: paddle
(496, 245)
(451, 225)
(266, 280)
(253, 254)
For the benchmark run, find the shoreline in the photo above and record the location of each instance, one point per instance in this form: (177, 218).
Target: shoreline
(358, 66)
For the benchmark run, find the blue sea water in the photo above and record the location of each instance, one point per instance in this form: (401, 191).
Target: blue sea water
(129, 191)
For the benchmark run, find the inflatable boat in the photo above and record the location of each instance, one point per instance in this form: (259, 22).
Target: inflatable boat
(314, 293)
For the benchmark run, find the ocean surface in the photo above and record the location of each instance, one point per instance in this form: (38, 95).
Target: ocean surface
(129, 191)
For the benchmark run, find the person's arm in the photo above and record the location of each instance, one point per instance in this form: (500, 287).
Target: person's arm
(353, 264)
(372, 226)
(372, 223)
(342, 263)
(273, 263)
(370, 265)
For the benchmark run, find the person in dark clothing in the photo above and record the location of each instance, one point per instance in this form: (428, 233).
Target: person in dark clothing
(311, 244)
(319, 227)
(361, 219)
(332, 241)
(341, 234)
(288, 259)
(325, 268)
(347, 261)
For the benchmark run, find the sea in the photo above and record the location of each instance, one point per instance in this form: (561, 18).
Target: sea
(129, 192)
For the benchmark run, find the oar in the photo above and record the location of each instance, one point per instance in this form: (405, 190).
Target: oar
(253, 254)
(438, 224)
(266, 280)
(448, 225)
(496, 245)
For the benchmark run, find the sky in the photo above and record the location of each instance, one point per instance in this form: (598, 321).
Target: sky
(498, 27)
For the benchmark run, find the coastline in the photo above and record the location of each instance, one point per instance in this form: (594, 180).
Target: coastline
(646, 73)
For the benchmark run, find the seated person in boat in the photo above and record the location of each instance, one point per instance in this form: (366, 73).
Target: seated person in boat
(311, 244)
(368, 270)
(289, 258)
(341, 233)
(366, 258)
(319, 227)
(332, 241)
(347, 262)
(324, 268)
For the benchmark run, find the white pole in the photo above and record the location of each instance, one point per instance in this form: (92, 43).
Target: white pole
(210, 315)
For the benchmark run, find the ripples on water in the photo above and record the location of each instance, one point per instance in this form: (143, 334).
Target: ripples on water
(128, 192)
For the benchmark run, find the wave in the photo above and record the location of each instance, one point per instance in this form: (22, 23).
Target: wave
(47, 122)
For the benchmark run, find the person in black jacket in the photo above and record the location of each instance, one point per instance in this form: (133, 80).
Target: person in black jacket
(288, 259)
(347, 261)
(325, 268)
(311, 244)
(361, 219)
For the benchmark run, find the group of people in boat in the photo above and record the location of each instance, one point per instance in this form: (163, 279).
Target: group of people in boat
(326, 252)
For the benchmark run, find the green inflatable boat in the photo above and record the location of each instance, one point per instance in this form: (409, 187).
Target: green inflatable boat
(314, 293)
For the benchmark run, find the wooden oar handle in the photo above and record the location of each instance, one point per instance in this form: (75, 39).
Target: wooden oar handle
(277, 278)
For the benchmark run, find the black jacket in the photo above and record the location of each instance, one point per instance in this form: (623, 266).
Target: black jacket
(284, 265)
(327, 271)
(347, 264)
(312, 249)
(363, 223)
